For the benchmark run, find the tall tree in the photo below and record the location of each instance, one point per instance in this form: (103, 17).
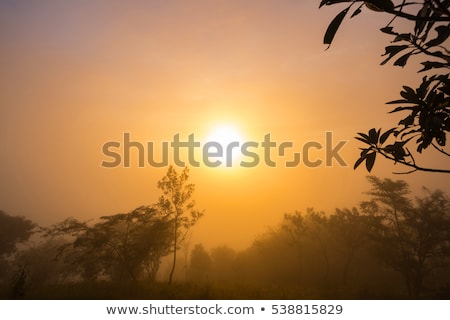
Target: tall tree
(310, 230)
(427, 108)
(412, 238)
(177, 204)
(223, 261)
(13, 231)
(349, 229)
(129, 243)
(200, 265)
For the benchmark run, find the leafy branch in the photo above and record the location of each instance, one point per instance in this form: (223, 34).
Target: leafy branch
(396, 151)
(428, 119)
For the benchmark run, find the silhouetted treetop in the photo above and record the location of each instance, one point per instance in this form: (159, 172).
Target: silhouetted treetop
(13, 230)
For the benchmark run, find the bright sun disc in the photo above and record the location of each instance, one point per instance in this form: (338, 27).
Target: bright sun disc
(225, 135)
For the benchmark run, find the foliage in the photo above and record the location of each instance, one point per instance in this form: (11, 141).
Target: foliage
(427, 121)
(349, 228)
(36, 267)
(123, 246)
(200, 265)
(391, 246)
(129, 246)
(312, 228)
(223, 260)
(176, 204)
(412, 239)
(394, 244)
(13, 230)
(336, 238)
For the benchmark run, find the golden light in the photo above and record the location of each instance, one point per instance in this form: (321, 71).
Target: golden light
(230, 139)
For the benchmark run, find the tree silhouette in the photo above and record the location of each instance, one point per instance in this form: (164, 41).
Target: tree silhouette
(223, 263)
(13, 230)
(427, 121)
(177, 205)
(129, 243)
(312, 227)
(349, 228)
(40, 267)
(200, 264)
(411, 238)
(123, 246)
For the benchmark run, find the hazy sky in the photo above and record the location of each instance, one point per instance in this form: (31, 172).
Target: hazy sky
(76, 74)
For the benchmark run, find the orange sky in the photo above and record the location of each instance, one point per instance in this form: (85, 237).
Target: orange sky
(78, 74)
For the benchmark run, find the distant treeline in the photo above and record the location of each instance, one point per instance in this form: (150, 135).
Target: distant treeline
(390, 246)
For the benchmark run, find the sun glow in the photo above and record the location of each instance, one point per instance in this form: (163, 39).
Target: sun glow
(230, 140)
(225, 134)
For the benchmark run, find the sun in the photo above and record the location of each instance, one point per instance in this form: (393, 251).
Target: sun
(230, 140)
(225, 134)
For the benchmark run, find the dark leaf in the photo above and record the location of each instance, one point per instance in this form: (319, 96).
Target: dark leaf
(365, 136)
(357, 11)
(402, 60)
(443, 34)
(392, 51)
(401, 109)
(409, 94)
(370, 161)
(386, 135)
(333, 27)
(330, 2)
(362, 140)
(402, 37)
(441, 139)
(422, 90)
(358, 162)
(396, 150)
(373, 136)
(373, 7)
(384, 5)
(427, 65)
(388, 30)
(420, 24)
(364, 152)
(397, 101)
(420, 148)
(409, 120)
(322, 3)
